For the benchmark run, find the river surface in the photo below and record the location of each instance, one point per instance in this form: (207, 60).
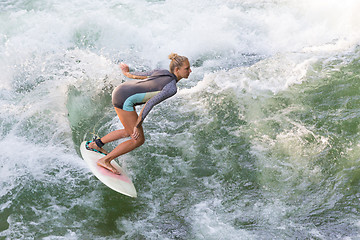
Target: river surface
(261, 142)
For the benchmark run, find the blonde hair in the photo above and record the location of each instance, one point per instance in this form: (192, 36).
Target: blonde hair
(176, 61)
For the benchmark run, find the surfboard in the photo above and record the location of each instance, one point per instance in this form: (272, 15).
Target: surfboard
(119, 183)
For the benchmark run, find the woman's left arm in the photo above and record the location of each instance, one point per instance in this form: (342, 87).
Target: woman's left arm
(169, 90)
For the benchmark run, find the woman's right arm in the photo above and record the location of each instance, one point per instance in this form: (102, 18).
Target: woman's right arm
(125, 70)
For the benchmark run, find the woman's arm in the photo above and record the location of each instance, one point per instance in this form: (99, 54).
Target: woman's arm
(125, 70)
(169, 90)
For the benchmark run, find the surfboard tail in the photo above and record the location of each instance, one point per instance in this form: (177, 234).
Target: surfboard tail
(119, 183)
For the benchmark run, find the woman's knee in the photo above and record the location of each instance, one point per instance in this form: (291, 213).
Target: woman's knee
(140, 141)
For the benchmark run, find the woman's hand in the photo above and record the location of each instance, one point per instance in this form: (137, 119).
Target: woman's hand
(126, 71)
(136, 133)
(124, 68)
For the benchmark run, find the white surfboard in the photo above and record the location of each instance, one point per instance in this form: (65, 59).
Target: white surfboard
(120, 183)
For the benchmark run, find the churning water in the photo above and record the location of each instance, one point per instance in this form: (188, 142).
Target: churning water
(261, 142)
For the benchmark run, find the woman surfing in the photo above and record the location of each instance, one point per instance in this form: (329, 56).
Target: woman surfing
(150, 89)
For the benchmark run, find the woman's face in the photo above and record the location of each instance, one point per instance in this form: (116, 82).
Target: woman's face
(184, 71)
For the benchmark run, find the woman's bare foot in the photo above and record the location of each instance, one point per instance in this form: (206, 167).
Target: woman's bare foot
(94, 146)
(108, 166)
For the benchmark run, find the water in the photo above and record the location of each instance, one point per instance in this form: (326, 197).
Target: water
(261, 142)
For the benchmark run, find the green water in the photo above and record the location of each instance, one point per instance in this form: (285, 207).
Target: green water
(283, 165)
(276, 165)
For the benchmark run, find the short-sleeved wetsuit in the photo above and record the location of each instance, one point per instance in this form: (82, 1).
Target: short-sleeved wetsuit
(160, 85)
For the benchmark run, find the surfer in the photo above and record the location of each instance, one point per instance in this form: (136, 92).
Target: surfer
(150, 88)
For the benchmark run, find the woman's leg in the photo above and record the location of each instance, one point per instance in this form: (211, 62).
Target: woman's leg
(128, 119)
(112, 136)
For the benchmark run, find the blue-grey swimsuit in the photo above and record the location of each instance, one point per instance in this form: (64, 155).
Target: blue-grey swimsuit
(160, 85)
